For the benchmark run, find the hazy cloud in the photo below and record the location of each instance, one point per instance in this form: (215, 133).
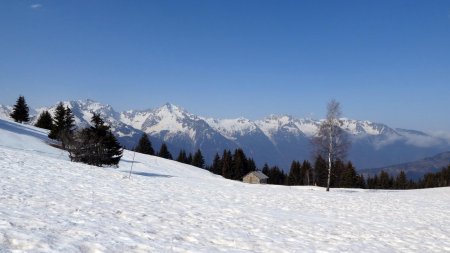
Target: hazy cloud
(35, 6)
(443, 135)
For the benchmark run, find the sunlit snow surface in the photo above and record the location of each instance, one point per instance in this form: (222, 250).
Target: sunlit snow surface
(48, 204)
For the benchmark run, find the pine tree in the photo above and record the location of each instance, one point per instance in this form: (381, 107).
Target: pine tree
(198, 160)
(307, 173)
(384, 181)
(63, 126)
(113, 149)
(144, 145)
(239, 164)
(20, 111)
(336, 175)
(182, 158)
(189, 159)
(45, 121)
(401, 181)
(276, 176)
(164, 152)
(294, 176)
(320, 172)
(59, 122)
(361, 182)
(227, 169)
(69, 124)
(251, 165)
(95, 145)
(216, 167)
(348, 177)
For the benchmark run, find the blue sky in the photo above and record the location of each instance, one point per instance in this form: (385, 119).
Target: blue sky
(385, 61)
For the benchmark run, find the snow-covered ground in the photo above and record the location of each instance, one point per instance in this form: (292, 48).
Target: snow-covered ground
(48, 204)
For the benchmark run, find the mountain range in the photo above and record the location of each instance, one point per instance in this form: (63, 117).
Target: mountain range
(276, 139)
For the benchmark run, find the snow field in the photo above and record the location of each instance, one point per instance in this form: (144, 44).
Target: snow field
(48, 204)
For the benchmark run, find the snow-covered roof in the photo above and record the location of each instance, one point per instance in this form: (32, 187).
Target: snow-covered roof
(258, 174)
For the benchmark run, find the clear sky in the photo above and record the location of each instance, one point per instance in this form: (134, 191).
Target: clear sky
(385, 61)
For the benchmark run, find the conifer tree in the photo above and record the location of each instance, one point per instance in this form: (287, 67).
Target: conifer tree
(59, 122)
(182, 158)
(227, 169)
(164, 152)
(113, 149)
(144, 145)
(361, 182)
(63, 125)
(216, 167)
(307, 172)
(401, 181)
(349, 178)
(320, 172)
(69, 124)
(276, 176)
(96, 145)
(20, 111)
(198, 160)
(384, 181)
(294, 177)
(189, 159)
(251, 165)
(239, 164)
(45, 121)
(266, 169)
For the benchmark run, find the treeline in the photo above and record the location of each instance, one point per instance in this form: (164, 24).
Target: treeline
(400, 182)
(343, 175)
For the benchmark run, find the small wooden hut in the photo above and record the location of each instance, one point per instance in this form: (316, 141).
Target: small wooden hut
(255, 177)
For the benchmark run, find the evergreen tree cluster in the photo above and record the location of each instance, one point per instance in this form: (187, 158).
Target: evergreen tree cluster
(95, 145)
(196, 160)
(63, 125)
(343, 175)
(400, 182)
(300, 174)
(232, 165)
(275, 174)
(45, 121)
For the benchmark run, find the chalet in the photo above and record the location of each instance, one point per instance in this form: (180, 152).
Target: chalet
(255, 177)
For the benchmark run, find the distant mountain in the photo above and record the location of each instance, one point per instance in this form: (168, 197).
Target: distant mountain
(415, 170)
(276, 139)
(5, 111)
(180, 129)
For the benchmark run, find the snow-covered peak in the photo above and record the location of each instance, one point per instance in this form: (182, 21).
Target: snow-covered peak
(173, 111)
(358, 127)
(278, 123)
(5, 111)
(83, 109)
(232, 128)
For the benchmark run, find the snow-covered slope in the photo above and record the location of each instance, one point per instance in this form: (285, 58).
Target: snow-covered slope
(49, 204)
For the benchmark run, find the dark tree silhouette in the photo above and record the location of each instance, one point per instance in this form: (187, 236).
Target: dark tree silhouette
(20, 111)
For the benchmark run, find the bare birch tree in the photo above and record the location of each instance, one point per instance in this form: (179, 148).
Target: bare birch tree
(331, 140)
